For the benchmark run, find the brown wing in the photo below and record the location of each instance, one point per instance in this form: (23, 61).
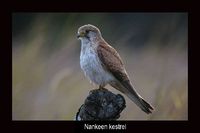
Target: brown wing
(111, 61)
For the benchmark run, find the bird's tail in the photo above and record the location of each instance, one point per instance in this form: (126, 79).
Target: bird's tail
(136, 98)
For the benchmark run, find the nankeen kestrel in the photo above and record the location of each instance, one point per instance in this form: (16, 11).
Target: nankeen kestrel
(102, 65)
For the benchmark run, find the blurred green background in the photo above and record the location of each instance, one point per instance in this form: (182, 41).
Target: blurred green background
(47, 81)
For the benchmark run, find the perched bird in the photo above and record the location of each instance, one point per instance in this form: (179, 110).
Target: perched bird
(102, 65)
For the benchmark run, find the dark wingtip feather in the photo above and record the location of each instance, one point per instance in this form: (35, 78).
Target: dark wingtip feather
(147, 107)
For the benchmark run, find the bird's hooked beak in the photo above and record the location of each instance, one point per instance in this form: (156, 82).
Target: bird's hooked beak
(81, 34)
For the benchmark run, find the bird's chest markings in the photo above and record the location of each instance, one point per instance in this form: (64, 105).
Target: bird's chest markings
(91, 65)
(89, 62)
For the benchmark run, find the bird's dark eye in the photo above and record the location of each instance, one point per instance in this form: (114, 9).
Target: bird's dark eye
(87, 31)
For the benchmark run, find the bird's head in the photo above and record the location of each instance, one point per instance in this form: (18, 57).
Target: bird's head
(88, 32)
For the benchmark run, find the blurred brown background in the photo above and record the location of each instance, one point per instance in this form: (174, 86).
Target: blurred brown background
(48, 83)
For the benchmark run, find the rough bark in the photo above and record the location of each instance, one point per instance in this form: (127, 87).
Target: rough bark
(101, 104)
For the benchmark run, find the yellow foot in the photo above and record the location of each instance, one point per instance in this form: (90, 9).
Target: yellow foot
(102, 88)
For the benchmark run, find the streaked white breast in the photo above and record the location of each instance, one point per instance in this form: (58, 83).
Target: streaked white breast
(91, 65)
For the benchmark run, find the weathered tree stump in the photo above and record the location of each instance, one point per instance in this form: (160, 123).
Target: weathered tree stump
(101, 104)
